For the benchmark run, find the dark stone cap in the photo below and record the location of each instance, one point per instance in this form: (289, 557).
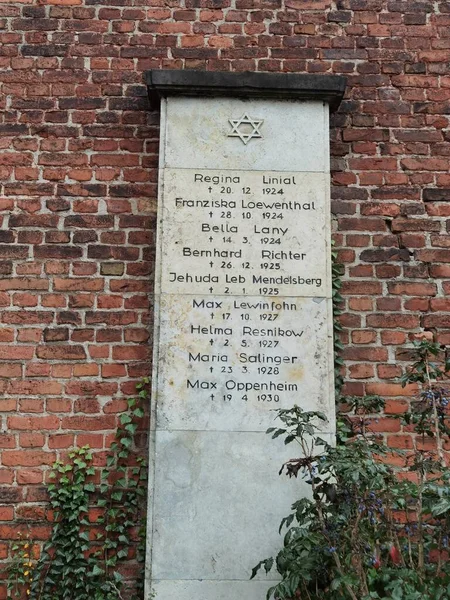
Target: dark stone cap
(291, 86)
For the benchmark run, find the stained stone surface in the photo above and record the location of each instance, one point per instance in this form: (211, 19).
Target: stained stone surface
(218, 496)
(211, 590)
(224, 367)
(243, 326)
(294, 135)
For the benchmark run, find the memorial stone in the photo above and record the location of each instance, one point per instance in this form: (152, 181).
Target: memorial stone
(243, 321)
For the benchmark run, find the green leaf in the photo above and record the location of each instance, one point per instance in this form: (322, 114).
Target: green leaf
(125, 418)
(97, 571)
(441, 507)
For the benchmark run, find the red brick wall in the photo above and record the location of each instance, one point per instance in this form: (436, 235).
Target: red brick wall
(78, 172)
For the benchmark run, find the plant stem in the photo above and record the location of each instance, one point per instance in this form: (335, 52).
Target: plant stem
(438, 572)
(322, 519)
(420, 522)
(435, 413)
(359, 568)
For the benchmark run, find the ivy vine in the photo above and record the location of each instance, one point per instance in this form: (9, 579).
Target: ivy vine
(337, 271)
(98, 522)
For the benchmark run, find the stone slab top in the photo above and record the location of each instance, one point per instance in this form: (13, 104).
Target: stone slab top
(290, 86)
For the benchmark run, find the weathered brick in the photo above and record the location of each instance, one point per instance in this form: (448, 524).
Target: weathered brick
(415, 225)
(112, 269)
(412, 289)
(78, 284)
(436, 194)
(27, 458)
(433, 256)
(33, 423)
(365, 353)
(56, 335)
(390, 254)
(61, 352)
(393, 320)
(88, 423)
(9, 352)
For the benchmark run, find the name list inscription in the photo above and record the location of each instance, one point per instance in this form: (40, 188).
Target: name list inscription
(245, 232)
(243, 310)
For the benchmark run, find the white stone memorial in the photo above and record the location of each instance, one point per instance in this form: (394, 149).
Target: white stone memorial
(243, 322)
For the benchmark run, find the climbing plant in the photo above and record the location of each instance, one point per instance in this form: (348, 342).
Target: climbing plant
(98, 522)
(364, 532)
(336, 279)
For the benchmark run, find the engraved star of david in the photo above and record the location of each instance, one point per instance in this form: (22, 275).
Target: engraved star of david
(240, 130)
